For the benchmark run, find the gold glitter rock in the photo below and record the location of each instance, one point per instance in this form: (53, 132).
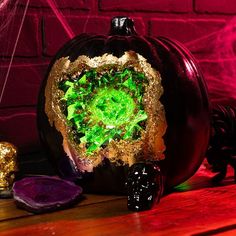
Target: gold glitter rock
(8, 165)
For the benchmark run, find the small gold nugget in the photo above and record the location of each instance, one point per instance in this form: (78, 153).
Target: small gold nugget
(8, 167)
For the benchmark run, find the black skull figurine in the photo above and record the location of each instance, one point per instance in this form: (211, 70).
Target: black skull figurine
(144, 186)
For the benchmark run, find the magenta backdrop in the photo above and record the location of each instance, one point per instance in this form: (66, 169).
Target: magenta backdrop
(206, 27)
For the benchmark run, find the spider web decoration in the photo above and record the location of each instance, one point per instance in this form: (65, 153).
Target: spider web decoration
(219, 67)
(9, 9)
(14, 48)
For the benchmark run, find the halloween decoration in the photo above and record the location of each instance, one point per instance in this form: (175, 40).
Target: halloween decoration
(41, 194)
(110, 102)
(222, 146)
(144, 186)
(8, 168)
(112, 95)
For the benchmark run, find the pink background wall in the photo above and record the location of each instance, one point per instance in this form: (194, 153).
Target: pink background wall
(206, 27)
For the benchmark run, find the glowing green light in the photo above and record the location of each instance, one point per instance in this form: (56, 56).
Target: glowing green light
(112, 107)
(183, 187)
(104, 107)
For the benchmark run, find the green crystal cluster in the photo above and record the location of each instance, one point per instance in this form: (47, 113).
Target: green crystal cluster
(104, 106)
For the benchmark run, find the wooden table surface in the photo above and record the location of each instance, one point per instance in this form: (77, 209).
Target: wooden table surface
(196, 208)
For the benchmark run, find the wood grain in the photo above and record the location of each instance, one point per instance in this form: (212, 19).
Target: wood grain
(200, 211)
(9, 211)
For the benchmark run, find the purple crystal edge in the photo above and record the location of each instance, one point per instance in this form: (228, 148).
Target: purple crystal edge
(28, 203)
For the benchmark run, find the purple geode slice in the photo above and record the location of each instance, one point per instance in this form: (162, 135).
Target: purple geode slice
(40, 194)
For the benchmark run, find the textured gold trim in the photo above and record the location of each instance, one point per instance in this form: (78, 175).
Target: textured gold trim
(151, 144)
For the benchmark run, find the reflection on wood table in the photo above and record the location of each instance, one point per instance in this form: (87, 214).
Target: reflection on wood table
(194, 208)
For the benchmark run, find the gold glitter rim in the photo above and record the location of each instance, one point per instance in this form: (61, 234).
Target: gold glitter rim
(151, 144)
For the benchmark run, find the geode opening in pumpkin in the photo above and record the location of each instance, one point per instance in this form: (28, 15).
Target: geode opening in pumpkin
(107, 107)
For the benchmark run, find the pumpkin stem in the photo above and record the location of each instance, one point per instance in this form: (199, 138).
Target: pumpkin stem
(122, 25)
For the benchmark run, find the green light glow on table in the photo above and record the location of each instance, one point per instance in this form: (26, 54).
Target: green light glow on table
(104, 107)
(183, 187)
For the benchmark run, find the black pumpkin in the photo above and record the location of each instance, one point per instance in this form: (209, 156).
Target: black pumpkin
(185, 102)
